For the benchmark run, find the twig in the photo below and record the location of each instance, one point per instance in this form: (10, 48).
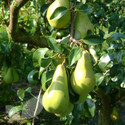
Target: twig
(37, 105)
(72, 23)
(75, 41)
(72, 39)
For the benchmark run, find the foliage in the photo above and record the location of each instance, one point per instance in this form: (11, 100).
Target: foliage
(36, 65)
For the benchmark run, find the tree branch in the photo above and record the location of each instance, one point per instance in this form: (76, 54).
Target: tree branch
(20, 35)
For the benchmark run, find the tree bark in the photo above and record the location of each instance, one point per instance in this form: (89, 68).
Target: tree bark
(20, 35)
(105, 111)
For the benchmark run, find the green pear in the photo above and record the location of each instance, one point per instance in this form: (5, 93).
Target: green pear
(67, 111)
(62, 22)
(82, 25)
(82, 99)
(114, 115)
(15, 75)
(83, 78)
(8, 78)
(4, 71)
(56, 97)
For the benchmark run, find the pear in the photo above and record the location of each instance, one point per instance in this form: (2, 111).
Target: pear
(56, 97)
(62, 22)
(15, 75)
(82, 99)
(4, 71)
(114, 114)
(67, 111)
(83, 78)
(8, 78)
(82, 25)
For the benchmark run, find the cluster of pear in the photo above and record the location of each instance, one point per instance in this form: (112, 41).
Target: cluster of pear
(56, 98)
(10, 75)
(82, 22)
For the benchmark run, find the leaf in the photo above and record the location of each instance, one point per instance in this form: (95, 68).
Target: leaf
(45, 62)
(75, 55)
(28, 89)
(46, 77)
(83, 1)
(86, 9)
(30, 106)
(91, 106)
(117, 36)
(30, 77)
(40, 71)
(3, 34)
(123, 84)
(38, 55)
(21, 94)
(58, 13)
(54, 45)
(99, 78)
(104, 60)
(15, 110)
(93, 40)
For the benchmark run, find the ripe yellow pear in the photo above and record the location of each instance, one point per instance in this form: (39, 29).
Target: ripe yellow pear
(56, 97)
(62, 22)
(67, 111)
(83, 78)
(8, 78)
(82, 25)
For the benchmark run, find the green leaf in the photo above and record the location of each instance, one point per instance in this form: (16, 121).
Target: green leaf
(3, 34)
(99, 78)
(15, 110)
(123, 84)
(117, 36)
(91, 106)
(38, 55)
(58, 13)
(93, 40)
(21, 94)
(54, 45)
(104, 60)
(41, 71)
(46, 78)
(30, 77)
(45, 62)
(28, 89)
(75, 55)
(86, 9)
(83, 1)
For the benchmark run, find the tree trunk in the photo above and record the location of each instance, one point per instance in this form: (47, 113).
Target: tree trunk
(106, 109)
(104, 118)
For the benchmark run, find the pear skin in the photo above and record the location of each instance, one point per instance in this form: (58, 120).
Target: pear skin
(67, 111)
(83, 78)
(56, 97)
(15, 75)
(82, 25)
(82, 99)
(8, 78)
(62, 22)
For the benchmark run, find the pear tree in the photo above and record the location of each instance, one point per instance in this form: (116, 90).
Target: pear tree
(72, 51)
